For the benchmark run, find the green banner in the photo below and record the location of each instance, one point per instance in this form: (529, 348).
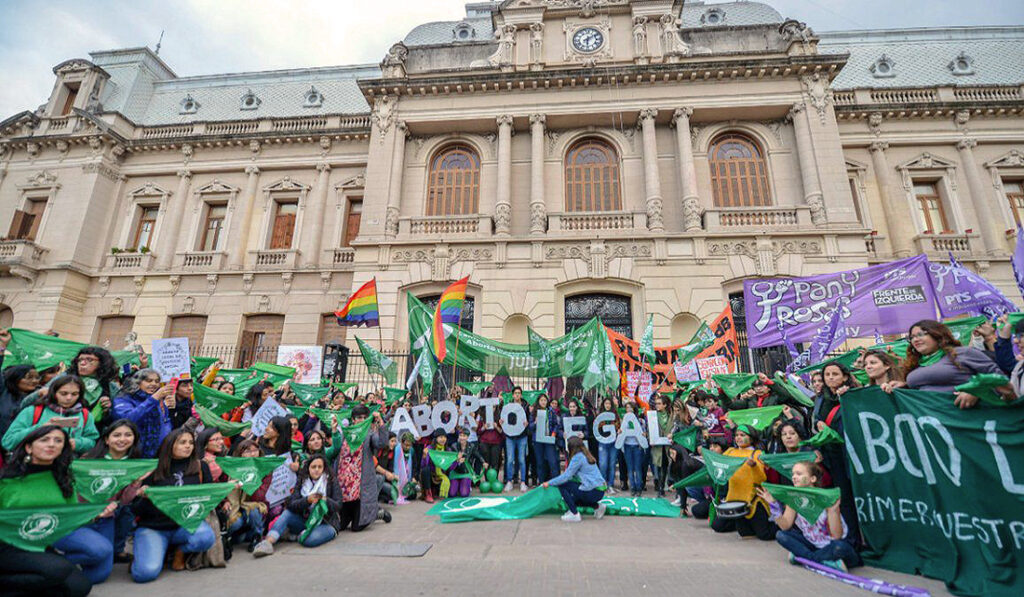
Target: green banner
(217, 402)
(758, 418)
(783, 463)
(532, 503)
(721, 468)
(686, 437)
(940, 490)
(808, 502)
(377, 363)
(33, 529)
(356, 434)
(824, 437)
(250, 472)
(188, 505)
(99, 480)
(308, 394)
(227, 428)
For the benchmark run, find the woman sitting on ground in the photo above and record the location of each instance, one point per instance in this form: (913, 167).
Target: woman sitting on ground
(589, 490)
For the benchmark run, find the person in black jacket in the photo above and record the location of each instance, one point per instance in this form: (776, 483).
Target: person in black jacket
(177, 464)
(315, 484)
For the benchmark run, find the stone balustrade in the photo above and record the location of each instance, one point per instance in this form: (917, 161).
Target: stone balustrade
(202, 260)
(941, 245)
(596, 220)
(443, 225)
(129, 262)
(276, 259)
(740, 218)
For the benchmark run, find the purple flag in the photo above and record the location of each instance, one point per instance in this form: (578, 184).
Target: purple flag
(958, 290)
(887, 298)
(1018, 260)
(829, 336)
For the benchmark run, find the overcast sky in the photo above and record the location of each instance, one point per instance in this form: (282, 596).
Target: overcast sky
(222, 36)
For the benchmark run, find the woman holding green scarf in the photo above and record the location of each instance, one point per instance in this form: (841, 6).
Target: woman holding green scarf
(98, 371)
(659, 454)
(937, 363)
(62, 405)
(826, 413)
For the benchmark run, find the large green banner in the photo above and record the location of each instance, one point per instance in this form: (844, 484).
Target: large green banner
(940, 491)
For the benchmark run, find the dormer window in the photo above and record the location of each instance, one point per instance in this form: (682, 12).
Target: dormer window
(883, 68)
(713, 17)
(962, 65)
(314, 99)
(250, 101)
(464, 32)
(71, 89)
(188, 105)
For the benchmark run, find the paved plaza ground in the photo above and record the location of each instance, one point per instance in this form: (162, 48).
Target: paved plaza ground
(539, 556)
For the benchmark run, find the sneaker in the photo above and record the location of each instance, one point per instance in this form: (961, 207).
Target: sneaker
(523, 488)
(263, 548)
(384, 515)
(678, 502)
(837, 564)
(792, 559)
(599, 511)
(570, 517)
(508, 486)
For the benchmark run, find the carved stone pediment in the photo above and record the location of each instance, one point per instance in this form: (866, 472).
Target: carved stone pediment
(149, 190)
(286, 184)
(216, 187)
(1013, 159)
(927, 161)
(356, 182)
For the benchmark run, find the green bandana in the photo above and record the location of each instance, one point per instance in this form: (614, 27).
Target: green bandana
(720, 467)
(475, 387)
(983, 386)
(227, 428)
(33, 529)
(99, 480)
(686, 437)
(700, 478)
(734, 384)
(933, 358)
(316, 516)
(808, 502)
(308, 394)
(188, 505)
(393, 395)
(783, 463)
(824, 437)
(217, 402)
(442, 459)
(356, 434)
(250, 472)
(324, 414)
(758, 418)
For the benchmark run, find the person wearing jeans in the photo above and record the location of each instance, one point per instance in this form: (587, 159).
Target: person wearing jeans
(90, 549)
(588, 491)
(515, 450)
(314, 483)
(290, 522)
(836, 550)
(607, 458)
(151, 547)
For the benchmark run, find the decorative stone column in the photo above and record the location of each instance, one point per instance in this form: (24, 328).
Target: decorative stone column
(310, 246)
(173, 213)
(238, 235)
(395, 187)
(652, 182)
(538, 208)
(900, 236)
(987, 214)
(692, 209)
(503, 204)
(813, 196)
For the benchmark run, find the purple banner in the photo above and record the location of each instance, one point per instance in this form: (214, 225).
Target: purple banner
(958, 290)
(884, 299)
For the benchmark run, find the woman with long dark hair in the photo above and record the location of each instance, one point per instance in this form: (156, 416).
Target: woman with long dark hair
(18, 382)
(826, 413)
(178, 464)
(118, 441)
(608, 454)
(98, 371)
(315, 482)
(589, 490)
(143, 402)
(63, 405)
(39, 475)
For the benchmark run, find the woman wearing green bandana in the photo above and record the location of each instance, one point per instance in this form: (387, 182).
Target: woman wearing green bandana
(937, 363)
(63, 405)
(826, 413)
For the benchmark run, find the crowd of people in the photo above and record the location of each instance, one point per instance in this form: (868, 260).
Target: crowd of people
(89, 408)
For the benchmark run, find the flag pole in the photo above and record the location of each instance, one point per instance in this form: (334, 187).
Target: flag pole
(455, 361)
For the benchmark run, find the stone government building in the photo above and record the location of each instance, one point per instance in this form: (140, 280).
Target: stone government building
(573, 157)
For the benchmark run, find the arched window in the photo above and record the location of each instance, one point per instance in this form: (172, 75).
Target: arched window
(454, 185)
(592, 177)
(739, 176)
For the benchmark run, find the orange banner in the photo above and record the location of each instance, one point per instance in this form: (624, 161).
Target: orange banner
(726, 344)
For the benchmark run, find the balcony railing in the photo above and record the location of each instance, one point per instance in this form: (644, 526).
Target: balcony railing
(202, 260)
(442, 225)
(943, 244)
(302, 124)
(596, 220)
(740, 218)
(129, 262)
(277, 259)
(343, 256)
(20, 253)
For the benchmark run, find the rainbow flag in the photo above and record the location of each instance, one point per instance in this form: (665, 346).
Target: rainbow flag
(361, 308)
(449, 310)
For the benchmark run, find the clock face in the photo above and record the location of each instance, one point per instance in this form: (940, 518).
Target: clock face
(587, 39)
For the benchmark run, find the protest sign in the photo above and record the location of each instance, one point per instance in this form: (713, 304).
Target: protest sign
(282, 481)
(686, 372)
(939, 489)
(170, 358)
(306, 360)
(884, 298)
(958, 290)
(716, 365)
(269, 410)
(645, 389)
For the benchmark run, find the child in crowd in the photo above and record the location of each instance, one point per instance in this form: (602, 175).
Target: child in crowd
(743, 486)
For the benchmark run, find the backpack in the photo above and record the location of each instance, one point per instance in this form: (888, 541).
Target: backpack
(38, 414)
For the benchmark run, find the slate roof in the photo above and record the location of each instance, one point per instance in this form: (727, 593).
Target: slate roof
(734, 14)
(444, 32)
(921, 57)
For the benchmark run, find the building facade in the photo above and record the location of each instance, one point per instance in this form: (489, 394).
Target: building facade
(574, 158)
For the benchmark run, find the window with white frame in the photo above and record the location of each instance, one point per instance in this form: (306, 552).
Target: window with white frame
(930, 207)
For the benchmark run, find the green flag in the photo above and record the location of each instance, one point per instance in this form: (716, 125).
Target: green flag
(308, 394)
(275, 373)
(620, 506)
(686, 437)
(720, 467)
(983, 385)
(603, 369)
(808, 502)
(99, 480)
(532, 503)
(700, 478)
(426, 368)
(324, 414)
(702, 340)
(316, 516)
(647, 342)
(227, 428)
(201, 364)
(475, 387)
(442, 459)
(530, 396)
(217, 402)
(734, 384)
(342, 386)
(784, 462)
(787, 389)
(188, 505)
(393, 395)
(377, 362)
(250, 472)
(33, 529)
(823, 438)
(356, 434)
(758, 418)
